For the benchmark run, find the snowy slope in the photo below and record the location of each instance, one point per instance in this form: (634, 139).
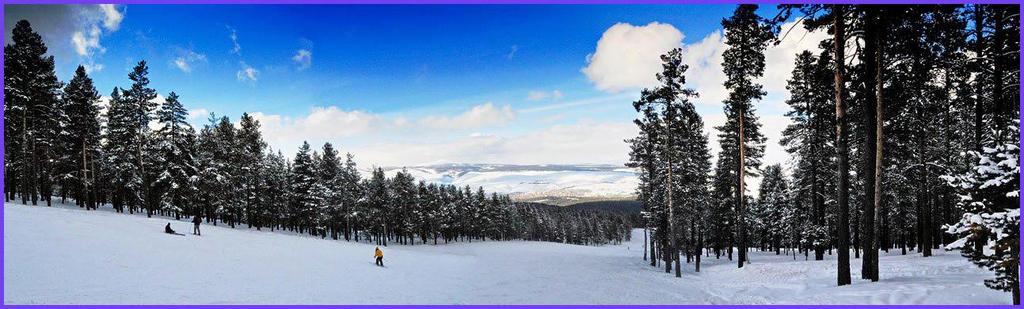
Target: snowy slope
(70, 256)
(555, 184)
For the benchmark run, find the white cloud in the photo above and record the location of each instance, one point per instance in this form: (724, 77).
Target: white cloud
(304, 58)
(86, 39)
(623, 61)
(111, 16)
(779, 58)
(705, 73)
(486, 114)
(86, 42)
(705, 61)
(247, 73)
(321, 124)
(236, 48)
(627, 56)
(73, 33)
(185, 61)
(584, 142)
(538, 95)
(92, 67)
(333, 124)
(198, 114)
(622, 98)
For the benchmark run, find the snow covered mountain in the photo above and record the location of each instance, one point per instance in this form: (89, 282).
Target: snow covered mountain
(552, 184)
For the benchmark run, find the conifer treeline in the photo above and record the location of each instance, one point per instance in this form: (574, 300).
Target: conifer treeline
(141, 156)
(903, 135)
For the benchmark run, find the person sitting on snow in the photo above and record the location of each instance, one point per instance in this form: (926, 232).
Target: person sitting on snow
(379, 255)
(168, 230)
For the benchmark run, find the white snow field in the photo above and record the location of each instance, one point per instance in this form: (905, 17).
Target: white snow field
(552, 184)
(64, 255)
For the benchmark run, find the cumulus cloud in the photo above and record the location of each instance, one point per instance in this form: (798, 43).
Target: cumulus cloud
(705, 73)
(247, 73)
(626, 55)
(304, 58)
(486, 114)
(538, 95)
(186, 58)
(615, 66)
(705, 61)
(622, 60)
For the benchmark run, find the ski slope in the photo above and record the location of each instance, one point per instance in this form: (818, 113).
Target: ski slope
(64, 255)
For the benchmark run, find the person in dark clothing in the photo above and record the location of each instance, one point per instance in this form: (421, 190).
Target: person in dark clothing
(168, 230)
(196, 221)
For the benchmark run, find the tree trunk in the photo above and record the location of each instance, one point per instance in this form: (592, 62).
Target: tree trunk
(645, 243)
(979, 84)
(843, 197)
(869, 146)
(876, 225)
(654, 256)
(674, 248)
(741, 246)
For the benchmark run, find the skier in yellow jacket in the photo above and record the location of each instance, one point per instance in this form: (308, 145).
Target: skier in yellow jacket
(379, 255)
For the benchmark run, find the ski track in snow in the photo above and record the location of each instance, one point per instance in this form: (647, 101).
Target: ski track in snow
(64, 255)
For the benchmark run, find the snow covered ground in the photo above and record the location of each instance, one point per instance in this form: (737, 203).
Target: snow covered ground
(64, 255)
(552, 184)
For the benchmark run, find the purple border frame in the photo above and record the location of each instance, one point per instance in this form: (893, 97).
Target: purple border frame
(563, 2)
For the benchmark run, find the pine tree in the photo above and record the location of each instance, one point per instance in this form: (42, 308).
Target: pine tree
(812, 118)
(330, 168)
(747, 36)
(176, 140)
(120, 136)
(990, 201)
(81, 143)
(250, 155)
(774, 202)
(351, 192)
(671, 152)
(377, 199)
(226, 153)
(31, 95)
(211, 179)
(301, 182)
(140, 101)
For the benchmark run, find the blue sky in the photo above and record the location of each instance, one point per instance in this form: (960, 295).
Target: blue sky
(407, 85)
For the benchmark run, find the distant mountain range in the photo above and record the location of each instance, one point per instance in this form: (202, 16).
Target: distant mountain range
(555, 184)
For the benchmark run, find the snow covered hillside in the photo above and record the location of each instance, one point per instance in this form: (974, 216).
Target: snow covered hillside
(552, 184)
(64, 255)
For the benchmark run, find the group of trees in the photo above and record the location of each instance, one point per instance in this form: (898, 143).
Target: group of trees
(903, 135)
(139, 155)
